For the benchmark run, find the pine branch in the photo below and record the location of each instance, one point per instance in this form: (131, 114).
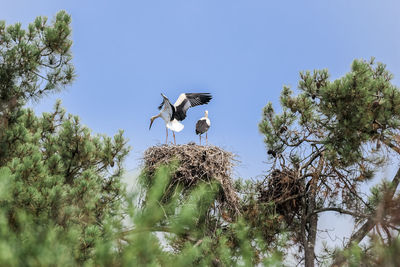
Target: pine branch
(341, 211)
(370, 223)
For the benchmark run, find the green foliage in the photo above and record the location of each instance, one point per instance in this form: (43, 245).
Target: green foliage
(186, 241)
(343, 115)
(32, 243)
(375, 253)
(61, 188)
(62, 176)
(333, 136)
(35, 61)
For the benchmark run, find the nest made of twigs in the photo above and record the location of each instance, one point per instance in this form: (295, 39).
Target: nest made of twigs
(284, 190)
(196, 164)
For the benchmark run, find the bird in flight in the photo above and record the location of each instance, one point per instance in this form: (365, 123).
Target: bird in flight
(174, 114)
(203, 125)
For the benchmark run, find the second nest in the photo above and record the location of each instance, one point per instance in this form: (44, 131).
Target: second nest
(196, 164)
(284, 190)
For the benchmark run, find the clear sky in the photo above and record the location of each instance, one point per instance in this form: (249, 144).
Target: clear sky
(242, 52)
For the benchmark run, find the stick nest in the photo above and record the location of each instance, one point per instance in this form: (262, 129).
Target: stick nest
(284, 189)
(196, 164)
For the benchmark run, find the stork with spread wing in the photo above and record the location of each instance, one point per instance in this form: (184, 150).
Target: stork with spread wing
(174, 114)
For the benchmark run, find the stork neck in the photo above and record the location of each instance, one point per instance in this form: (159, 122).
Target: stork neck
(156, 116)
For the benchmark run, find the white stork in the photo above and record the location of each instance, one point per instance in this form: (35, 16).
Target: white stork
(173, 114)
(203, 125)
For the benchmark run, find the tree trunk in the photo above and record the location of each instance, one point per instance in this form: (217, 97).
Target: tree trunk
(309, 246)
(311, 221)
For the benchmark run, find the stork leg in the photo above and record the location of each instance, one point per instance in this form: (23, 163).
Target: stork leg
(200, 138)
(166, 138)
(206, 139)
(174, 137)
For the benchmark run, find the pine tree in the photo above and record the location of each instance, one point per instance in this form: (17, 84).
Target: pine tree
(60, 179)
(34, 62)
(327, 141)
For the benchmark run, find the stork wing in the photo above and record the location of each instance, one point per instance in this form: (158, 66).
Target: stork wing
(202, 126)
(188, 100)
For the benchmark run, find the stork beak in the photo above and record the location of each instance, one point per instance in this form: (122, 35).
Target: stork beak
(152, 119)
(151, 122)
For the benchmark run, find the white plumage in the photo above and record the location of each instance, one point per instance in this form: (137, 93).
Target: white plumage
(175, 126)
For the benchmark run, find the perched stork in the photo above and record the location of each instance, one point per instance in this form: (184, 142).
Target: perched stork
(173, 114)
(203, 125)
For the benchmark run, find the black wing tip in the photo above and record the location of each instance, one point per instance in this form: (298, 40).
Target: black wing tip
(198, 98)
(205, 94)
(200, 94)
(207, 97)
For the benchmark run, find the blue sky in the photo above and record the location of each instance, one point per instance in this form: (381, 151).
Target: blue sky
(242, 52)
